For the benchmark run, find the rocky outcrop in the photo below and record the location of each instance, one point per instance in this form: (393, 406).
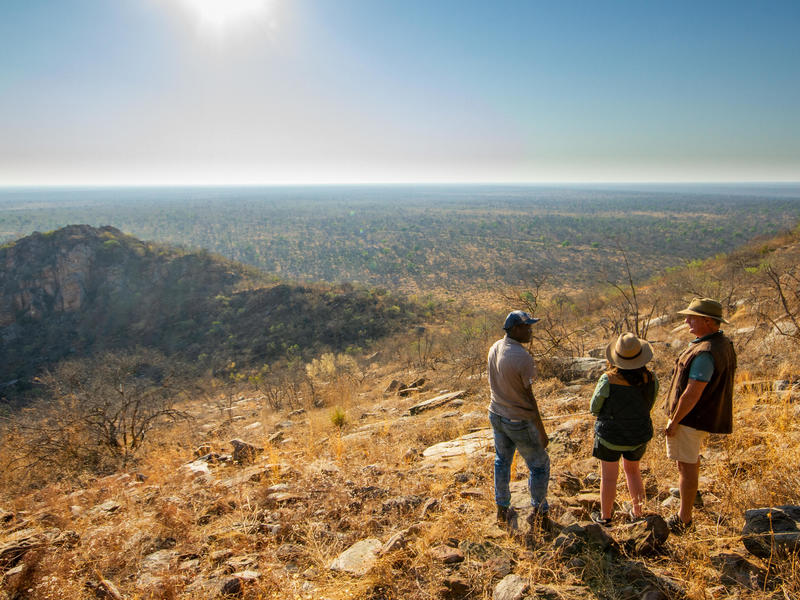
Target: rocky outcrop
(772, 530)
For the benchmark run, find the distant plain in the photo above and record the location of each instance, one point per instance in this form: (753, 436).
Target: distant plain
(445, 239)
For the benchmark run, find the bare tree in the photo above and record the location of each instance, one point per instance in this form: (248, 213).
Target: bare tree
(627, 314)
(781, 306)
(97, 413)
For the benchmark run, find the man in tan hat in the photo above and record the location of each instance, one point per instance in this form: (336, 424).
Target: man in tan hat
(700, 399)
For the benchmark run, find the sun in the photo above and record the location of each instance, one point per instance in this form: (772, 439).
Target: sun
(219, 16)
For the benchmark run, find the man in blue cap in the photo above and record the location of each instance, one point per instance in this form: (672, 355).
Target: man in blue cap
(515, 418)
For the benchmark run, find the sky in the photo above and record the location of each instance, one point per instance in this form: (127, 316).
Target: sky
(242, 92)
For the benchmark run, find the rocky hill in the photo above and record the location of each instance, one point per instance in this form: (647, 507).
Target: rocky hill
(80, 290)
(385, 491)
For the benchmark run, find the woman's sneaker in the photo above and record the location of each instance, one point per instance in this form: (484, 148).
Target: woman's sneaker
(632, 518)
(598, 518)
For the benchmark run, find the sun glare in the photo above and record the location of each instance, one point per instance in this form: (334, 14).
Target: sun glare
(219, 16)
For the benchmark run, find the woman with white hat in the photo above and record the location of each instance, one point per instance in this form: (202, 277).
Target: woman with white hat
(622, 401)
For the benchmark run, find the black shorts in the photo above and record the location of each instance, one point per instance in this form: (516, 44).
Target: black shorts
(609, 455)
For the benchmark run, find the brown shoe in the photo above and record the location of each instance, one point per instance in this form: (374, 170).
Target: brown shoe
(677, 526)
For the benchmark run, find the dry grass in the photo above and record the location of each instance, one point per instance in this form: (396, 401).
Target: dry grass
(362, 477)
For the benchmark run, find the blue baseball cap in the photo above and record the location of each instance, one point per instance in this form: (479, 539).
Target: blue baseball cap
(515, 317)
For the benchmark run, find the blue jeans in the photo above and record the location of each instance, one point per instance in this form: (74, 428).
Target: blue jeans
(523, 437)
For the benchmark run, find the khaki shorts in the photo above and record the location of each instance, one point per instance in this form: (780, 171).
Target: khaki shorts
(685, 445)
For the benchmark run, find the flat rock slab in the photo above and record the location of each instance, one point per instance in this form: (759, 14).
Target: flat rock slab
(18, 543)
(453, 452)
(435, 402)
(359, 558)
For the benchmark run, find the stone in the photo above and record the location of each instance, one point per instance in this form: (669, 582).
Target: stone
(511, 587)
(275, 437)
(580, 368)
(460, 450)
(643, 537)
(455, 587)
(243, 452)
(231, 587)
(396, 542)
(202, 450)
(435, 402)
(18, 544)
(737, 570)
(393, 386)
(671, 503)
(359, 558)
(573, 538)
(770, 530)
(499, 566)
(446, 554)
(198, 467)
(160, 560)
(248, 575)
(220, 555)
(107, 507)
(589, 501)
(401, 503)
(408, 391)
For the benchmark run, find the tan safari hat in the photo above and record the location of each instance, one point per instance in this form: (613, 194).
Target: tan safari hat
(704, 307)
(629, 352)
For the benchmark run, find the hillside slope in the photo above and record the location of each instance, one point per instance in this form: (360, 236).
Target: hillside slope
(383, 498)
(79, 290)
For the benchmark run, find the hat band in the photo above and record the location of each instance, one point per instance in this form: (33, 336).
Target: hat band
(630, 357)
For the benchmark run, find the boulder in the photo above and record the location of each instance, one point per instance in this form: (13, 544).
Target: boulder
(645, 536)
(574, 538)
(18, 544)
(359, 558)
(460, 449)
(582, 367)
(243, 452)
(770, 530)
(736, 570)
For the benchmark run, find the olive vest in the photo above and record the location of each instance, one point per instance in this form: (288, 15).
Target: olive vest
(714, 410)
(624, 418)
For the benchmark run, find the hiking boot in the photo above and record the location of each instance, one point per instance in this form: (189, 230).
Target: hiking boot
(541, 521)
(502, 515)
(598, 518)
(677, 526)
